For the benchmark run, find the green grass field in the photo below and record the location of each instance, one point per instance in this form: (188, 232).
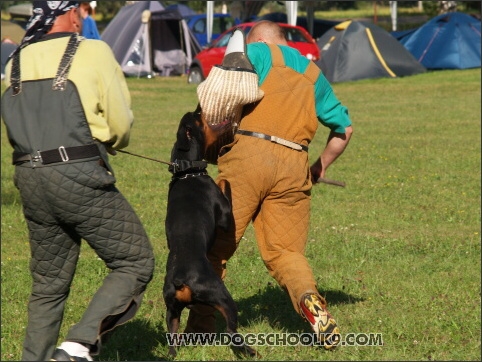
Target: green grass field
(396, 252)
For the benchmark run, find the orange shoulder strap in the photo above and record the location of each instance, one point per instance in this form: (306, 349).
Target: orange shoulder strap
(277, 55)
(312, 72)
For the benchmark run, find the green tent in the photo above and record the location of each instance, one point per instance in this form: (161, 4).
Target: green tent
(355, 50)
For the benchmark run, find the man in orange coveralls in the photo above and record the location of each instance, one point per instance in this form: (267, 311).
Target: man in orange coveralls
(268, 170)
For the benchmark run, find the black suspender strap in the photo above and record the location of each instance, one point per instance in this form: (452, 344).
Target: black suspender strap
(62, 72)
(16, 84)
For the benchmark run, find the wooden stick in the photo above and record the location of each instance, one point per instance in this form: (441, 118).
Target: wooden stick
(330, 182)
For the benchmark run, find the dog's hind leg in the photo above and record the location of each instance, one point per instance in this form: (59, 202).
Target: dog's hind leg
(225, 304)
(173, 319)
(237, 341)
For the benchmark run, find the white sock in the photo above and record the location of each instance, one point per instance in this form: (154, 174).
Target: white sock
(76, 349)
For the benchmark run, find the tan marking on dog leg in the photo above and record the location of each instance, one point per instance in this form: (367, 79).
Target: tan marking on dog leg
(222, 185)
(184, 294)
(225, 188)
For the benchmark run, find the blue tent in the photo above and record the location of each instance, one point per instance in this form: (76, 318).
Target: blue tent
(448, 41)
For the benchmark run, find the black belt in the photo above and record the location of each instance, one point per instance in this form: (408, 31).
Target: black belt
(281, 141)
(61, 154)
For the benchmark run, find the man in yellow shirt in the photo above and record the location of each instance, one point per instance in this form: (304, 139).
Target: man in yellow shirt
(66, 107)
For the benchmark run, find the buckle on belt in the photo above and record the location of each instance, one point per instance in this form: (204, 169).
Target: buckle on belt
(63, 154)
(35, 158)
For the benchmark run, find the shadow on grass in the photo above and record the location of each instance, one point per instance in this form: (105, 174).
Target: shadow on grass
(139, 339)
(134, 341)
(273, 305)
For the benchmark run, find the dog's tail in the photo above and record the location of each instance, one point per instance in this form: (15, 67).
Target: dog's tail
(183, 292)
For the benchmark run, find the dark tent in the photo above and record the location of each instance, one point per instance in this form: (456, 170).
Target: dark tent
(147, 40)
(400, 34)
(448, 41)
(355, 50)
(184, 10)
(12, 35)
(20, 14)
(6, 50)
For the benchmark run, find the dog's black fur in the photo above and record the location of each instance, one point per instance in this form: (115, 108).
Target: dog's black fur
(196, 207)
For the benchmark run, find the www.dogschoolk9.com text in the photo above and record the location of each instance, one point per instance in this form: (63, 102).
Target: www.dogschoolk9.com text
(272, 339)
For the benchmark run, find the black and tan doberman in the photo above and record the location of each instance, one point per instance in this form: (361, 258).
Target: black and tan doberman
(196, 208)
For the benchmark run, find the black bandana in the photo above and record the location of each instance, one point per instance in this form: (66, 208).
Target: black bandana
(42, 19)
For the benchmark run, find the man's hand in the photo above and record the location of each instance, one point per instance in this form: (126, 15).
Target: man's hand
(335, 146)
(316, 170)
(111, 151)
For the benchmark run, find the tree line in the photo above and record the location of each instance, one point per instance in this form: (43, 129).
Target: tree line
(108, 9)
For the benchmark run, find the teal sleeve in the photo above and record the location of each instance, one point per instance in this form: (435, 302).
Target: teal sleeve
(329, 109)
(260, 56)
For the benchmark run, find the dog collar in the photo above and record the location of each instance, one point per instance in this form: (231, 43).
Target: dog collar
(189, 175)
(178, 166)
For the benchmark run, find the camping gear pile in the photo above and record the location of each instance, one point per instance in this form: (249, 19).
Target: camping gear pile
(147, 40)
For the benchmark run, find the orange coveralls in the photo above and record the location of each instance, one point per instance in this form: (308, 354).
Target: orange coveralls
(270, 184)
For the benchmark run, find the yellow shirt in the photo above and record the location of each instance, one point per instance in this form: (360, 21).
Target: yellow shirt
(99, 80)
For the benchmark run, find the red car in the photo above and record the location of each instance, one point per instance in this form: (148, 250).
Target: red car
(203, 62)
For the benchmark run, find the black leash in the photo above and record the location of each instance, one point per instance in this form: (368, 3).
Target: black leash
(176, 165)
(147, 158)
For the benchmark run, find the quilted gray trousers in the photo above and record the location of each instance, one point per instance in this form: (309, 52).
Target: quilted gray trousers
(63, 204)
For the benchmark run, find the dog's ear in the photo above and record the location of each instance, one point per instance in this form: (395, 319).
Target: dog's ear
(184, 138)
(184, 133)
(189, 132)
